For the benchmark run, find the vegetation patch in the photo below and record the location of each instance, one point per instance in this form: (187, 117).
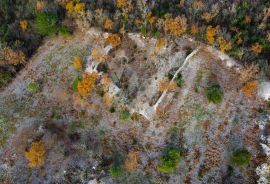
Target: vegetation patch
(64, 31)
(46, 23)
(75, 84)
(124, 115)
(241, 157)
(5, 77)
(214, 93)
(169, 161)
(33, 87)
(117, 168)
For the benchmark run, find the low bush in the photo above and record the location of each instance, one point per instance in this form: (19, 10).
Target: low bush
(64, 31)
(75, 84)
(241, 157)
(214, 93)
(36, 154)
(4, 78)
(46, 23)
(169, 161)
(117, 169)
(124, 115)
(33, 87)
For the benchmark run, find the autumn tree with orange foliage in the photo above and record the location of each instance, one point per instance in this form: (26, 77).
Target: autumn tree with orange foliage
(113, 39)
(211, 33)
(108, 24)
(250, 88)
(36, 154)
(175, 26)
(24, 25)
(224, 45)
(77, 63)
(87, 83)
(125, 5)
(161, 43)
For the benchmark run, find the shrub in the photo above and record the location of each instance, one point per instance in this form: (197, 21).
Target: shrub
(4, 78)
(24, 25)
(124, 115)
(116, 170)
(75, 84)
(214, 93)
(250, 88)
(33, 87)
(211, 34)
(35, 155)
(64, 31)
(77, 63)
(176, 26)
(241, 157)
(169, 161)
(45, 23)
(87, 84)
(179, 80)
(114, 40)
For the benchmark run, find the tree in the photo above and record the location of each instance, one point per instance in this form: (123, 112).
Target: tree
(35, 155)
(214, 93)
(169, 161)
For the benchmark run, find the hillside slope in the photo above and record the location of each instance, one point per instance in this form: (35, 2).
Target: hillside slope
(149, 95)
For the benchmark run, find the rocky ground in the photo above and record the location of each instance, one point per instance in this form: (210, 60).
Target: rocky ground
(83, 136)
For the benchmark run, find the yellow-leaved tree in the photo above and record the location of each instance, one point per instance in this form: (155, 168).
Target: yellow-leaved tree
(211, 33)
(24, 25)
(175, 26)
(36, 154)
(87, 83)
(77, 63)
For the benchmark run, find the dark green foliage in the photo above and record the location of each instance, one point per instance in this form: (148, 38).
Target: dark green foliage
(116, 169)
(179, 80)
(64, 31)
(169, 161)
(124, 115)
(214, 93)
(4, 78)
(241, 157)
(46, 23)
(112, 109)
